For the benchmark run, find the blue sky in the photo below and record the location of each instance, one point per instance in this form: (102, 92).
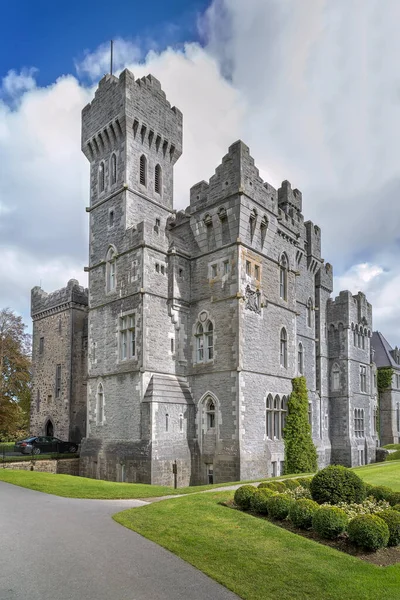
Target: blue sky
(311, 86)
(50, 35)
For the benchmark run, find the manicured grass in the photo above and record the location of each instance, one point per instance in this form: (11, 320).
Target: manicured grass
(254, 558)
(392, 446)
(386, 473)
(81, 487)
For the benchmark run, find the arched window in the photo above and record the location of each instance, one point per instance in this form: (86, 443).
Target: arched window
(283, 415)
(269, 417)
(309, 312)
(300, 359)
(210, 413)
(143, 170)
(252, 223)
(100, 404)
(157, 179)
(204, 341)
(277, 410)
(283, 270)
(111, 270)
(113, 169)
(101, 177)
(210, 341)
(335, 377)
(283, 348)
(263, 230)
(200, 343)
(181, 422)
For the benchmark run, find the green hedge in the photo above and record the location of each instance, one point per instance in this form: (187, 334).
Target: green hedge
(279, 506)
(336, 484)
(392, 520)
(29, 457)
(243, 496)
(259, 500)
(302, 511)
(393, 456)
(329, 522)
(369, 532)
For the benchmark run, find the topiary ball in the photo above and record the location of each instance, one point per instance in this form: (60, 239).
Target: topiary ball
(278, 506)
(392, 520)
(381, 492)
(306, 482)
(243, 496)
(258, 502)
(268, 484)
(291, 484)
(329, 521)
(368, 489)
(396, 507)
(302, 512)
(336, 484)
(279, 486)
(394, 498)
(368, 531)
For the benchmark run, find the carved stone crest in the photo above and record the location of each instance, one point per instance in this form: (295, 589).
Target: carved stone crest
(253, 300)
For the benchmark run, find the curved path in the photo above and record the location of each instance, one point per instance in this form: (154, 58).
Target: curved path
(56, 548)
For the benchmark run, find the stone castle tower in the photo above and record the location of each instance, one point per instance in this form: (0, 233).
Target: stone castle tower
(199, 319)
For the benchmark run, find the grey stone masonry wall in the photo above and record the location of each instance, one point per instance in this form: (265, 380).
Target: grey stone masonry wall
(350, 330)
(59, 344)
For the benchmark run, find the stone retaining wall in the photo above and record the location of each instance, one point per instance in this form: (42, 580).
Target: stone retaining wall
(66, 466)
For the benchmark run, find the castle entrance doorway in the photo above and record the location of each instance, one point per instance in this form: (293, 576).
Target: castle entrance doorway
(49, 428)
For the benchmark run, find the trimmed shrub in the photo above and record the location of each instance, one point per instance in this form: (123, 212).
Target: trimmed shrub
(302, 512)
(243, 496)
(278, 506)
(336, 484)
(305, 482)
(291, 484)
(396, 507)
(392, 520)
(258, 502)
(381, 492)
(300, 452)
(279, 486)
(393, 455)
(268, 484)
(329, 522)
(394, 498)
(368, 531)
(368, 488)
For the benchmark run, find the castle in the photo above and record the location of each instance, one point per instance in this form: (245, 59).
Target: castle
(180, 354)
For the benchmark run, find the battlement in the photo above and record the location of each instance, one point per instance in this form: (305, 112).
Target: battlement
(324, 277)
(121, 104)
(290, 201)
(43, 302)
(351, 310)
(237, 173)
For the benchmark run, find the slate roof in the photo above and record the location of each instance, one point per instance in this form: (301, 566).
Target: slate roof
(383, 349)
(168, 388)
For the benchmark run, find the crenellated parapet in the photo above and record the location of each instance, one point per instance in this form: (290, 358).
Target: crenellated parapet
(44, 304)
(324, 277)
(123, 103)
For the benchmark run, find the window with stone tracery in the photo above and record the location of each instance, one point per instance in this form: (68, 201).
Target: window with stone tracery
(204, 342)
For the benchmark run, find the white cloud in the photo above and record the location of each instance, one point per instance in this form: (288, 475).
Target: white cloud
(14, 83)
(312, 87)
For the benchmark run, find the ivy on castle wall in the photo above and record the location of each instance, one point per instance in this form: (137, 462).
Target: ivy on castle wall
(384, 378)
(300, 452)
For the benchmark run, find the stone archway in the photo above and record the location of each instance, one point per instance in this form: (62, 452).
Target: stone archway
(49, 428)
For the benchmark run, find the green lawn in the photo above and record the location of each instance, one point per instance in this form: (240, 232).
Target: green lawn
(387, 473)
(81, 487)
(254, 558)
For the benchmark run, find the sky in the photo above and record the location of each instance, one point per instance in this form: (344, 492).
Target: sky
(313, 87)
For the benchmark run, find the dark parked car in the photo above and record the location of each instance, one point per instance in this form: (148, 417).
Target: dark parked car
(44, 445)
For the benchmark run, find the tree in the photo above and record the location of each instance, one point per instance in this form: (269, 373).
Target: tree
(15, 375)
(300, 452)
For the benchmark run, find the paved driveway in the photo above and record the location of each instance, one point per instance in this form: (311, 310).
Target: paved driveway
(67, 549)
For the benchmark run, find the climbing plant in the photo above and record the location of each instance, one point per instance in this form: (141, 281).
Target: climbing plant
(300, 452)
(384, 378)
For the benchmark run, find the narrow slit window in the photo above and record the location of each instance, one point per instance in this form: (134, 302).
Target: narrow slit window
(143, 170)
(157, 179)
